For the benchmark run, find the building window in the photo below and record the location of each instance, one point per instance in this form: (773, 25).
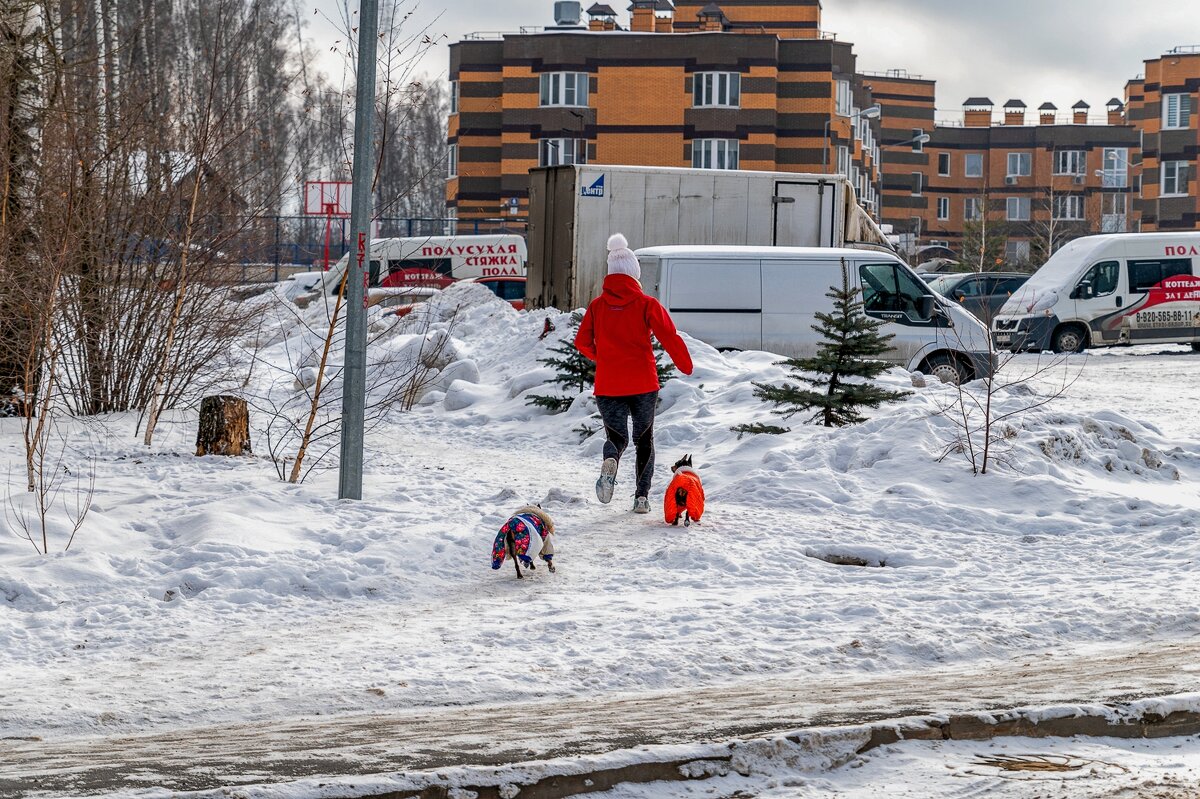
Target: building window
(1113, 217)
(1070, 162)
(1016, 251)
(973, 165)
(943, 208)
(1174, 178)
(918, 146)
(944, 164)
(453, 97)
(842, 97)
(1177, 110)
(972, 209)
(717, 89)
(1068, 206)
(918, 184)
(1115, 172)
(564, 88)
(557, 152)
(452, 161)
(1018, 209)
(1019, 165)
(843, 160)
(715, 154)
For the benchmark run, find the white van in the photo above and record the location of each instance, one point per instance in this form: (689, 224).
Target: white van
(1097, 291)
(766, 298)
(436, 260)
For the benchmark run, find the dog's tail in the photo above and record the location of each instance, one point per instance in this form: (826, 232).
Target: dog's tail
(512, 551)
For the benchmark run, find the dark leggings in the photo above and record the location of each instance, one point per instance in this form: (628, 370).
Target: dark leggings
(616, 411)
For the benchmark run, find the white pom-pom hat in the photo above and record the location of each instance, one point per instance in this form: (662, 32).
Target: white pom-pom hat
(621, 260)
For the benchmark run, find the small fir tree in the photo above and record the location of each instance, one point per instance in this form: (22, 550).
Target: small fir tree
(575, 372)
(850, 350)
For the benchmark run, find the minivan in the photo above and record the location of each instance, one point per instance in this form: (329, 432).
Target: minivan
(766, 298)
(1097, 291)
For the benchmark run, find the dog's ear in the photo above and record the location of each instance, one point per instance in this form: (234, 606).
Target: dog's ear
(688, 458)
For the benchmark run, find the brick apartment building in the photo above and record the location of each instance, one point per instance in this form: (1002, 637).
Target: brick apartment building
(750, 84)
(1162, 105)
(756, 84)
(1038, 179)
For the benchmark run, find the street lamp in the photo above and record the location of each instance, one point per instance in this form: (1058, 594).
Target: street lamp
(870, 112)
(1109, 179)
(922, 139)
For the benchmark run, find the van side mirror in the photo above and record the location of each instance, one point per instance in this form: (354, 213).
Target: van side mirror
(925, 306)
(1083, 291)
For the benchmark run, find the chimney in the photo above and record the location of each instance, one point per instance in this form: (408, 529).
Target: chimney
(712, 18)
(1048, 113)
(1116, 112)
(977, 112)
(1014, 113)
(665, 11)
(602, 18)
(643, 20)
(1081, 112)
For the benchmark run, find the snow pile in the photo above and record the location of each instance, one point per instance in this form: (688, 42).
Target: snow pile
(1082, 534)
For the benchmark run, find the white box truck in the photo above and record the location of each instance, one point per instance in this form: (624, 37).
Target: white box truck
(767, 298)
(574, 209)
(1098, 291)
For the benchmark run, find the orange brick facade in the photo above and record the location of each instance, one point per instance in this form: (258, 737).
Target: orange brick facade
(796, 109)
(1041, 175)
(1174, 75)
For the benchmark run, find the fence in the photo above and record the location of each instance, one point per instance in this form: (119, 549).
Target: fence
(273, 247)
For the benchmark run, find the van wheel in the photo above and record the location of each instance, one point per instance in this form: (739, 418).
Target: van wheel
(1069, 338)
(947, 369)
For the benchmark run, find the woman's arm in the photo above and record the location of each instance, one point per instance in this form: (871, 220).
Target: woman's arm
(585, 339)
(664, 330)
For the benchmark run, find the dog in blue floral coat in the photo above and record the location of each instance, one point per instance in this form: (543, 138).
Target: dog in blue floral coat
(525, 533)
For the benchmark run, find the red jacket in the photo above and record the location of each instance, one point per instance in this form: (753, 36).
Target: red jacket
(615, 333)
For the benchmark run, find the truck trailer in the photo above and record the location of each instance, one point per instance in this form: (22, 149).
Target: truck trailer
(574, 209)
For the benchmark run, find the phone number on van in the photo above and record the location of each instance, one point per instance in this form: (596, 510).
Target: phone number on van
(1164, 319)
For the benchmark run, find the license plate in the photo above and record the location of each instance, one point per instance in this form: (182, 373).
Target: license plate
(1002, 338)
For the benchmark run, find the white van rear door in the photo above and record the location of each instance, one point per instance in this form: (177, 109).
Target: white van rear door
(719, 301)
(792, 293)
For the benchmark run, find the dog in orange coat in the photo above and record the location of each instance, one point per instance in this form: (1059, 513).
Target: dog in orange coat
(685, 494)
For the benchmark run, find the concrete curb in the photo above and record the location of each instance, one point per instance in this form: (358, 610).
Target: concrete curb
(576, 777)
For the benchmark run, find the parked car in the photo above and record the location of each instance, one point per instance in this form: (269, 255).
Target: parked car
(511, 289)
(981, 293)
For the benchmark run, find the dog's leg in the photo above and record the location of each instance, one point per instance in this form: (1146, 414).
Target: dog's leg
(512, 552)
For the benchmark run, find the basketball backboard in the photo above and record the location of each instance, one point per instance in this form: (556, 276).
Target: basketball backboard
(327, 197)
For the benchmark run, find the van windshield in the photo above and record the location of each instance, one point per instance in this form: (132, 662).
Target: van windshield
(1058, 275)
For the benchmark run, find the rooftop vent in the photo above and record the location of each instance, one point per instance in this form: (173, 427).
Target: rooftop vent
(568, 13)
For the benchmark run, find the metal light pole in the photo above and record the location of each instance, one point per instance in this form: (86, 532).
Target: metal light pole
(870, 112)
(354, 372)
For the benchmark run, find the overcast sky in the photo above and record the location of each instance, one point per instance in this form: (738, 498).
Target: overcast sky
(1033, 50)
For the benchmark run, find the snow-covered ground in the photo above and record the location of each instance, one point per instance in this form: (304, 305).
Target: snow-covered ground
(205, 591)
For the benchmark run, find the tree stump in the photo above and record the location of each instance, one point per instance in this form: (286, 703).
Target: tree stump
(224, 426)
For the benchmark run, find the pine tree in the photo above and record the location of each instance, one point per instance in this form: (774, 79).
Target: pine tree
(575, 372)
(850, 349)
